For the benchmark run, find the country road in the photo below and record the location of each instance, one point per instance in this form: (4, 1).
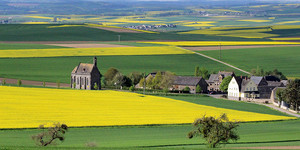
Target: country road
(223, 63)
(34, 83)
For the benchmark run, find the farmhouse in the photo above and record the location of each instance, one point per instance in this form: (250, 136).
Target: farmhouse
(180, 82)
(215, 80)
(254, 88)
(86, 76)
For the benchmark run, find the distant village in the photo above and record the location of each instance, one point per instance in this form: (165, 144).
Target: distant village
(150, 27)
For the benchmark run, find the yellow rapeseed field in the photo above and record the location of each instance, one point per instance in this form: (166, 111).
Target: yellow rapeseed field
(39, 17)
(224, 43)
(254, 20)
(287, 39)
(30, 107)
(163, 50)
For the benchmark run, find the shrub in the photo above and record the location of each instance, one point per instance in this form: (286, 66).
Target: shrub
(186, 89)
(132, 88)
(19, 82)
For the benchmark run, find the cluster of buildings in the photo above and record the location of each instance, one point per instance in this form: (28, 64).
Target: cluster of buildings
(87, 76)
(255, 87)
(149, 27)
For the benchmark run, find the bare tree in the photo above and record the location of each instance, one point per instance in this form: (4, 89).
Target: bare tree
(53, 134)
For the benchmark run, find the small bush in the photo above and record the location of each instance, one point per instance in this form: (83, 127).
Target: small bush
(19, 82)
(132, 89)
(58, 84)
(91, 144)
(3, 82)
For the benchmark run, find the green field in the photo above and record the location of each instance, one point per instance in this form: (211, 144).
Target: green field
(23, 32)
(285, 59)
(282, 133)
(59, 68)
(236, 105)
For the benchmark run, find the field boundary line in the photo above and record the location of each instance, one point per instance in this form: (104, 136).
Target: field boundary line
(222, 63)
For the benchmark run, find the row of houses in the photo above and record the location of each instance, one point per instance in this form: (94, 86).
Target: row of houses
(255, 87)
(87, 76)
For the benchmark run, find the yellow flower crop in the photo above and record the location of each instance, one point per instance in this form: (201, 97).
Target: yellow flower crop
(223, 43)
(254, 20)
(39, 17)
(30, 107)
(288, 22)
(287, 39)
(35, 23)
(163, 50)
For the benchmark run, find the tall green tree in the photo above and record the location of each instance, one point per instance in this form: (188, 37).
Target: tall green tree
(291, 94)
(215, 131)
(167, 80)
(203, 72)
(157, 80)
(135, 77)
(110, 74)
(197, 71)
(225, 83)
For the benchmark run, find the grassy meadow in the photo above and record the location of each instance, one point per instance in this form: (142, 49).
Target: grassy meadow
(285, 59)
(59, 68)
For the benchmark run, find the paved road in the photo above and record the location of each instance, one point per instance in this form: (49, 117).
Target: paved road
(34, 83)
(223, 63)
(282, 110)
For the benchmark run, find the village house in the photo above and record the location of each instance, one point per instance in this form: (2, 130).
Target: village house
(215, 80)
(180, 82)
(254, 88)
(86, 76)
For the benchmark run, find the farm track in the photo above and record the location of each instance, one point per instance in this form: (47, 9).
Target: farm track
(223, 63)
(34, 83)
(208, 48)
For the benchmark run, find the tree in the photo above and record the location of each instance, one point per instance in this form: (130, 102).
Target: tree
(157, 80)
(291, 94)
(149, 83)
(279, 94)
(198, 89)
(167, 80)
(19, 82)
(215, 130)
(118, 79)
(3, 82)
(203, 72)
(52, 135)
(197, 71)
(135, 77)
(225, 83)
(142, 82)
(44, 84)
(110, 74)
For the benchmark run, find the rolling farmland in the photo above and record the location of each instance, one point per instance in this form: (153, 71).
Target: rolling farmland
(103, 108)
(285, 59)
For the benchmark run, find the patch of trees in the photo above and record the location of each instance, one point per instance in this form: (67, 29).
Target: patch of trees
(260, 72)
(114, 78)
(291, 94)
(162, 80)
(201, 72)
(215, 131)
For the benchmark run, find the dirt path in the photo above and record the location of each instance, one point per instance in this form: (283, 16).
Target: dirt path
(282, 110)
(34, 83)
(223, 63)
(209, 48)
